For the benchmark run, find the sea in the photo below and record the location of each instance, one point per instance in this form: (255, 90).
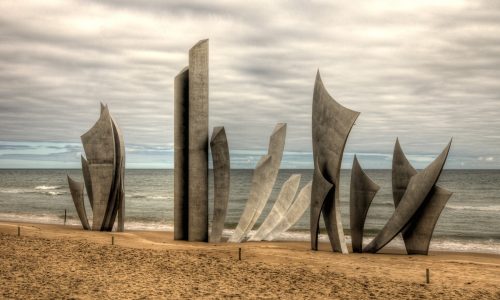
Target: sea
(470, 222)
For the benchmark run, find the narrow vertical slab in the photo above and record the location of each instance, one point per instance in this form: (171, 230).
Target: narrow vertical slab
(280, 207)
(116, 203)
(331, 125)
(181, 154)
(320, 190)
(88, 182)
(418, 189)
(363, 190)
(76, 189)
(293, 214)
(198, 143)
(263, 181)
(220, 157)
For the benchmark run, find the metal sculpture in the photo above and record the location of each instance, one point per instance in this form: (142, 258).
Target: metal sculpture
(220, 157)
(280, 207)
(417, 191)
(191, 147)
(103, 172)
(363, 190)
(331, 125)
(293, 214)
(263, 181)
(418, 233)
(76, 189)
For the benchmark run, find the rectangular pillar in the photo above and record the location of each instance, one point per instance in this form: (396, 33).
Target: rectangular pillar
(181, 130)
(198, 143)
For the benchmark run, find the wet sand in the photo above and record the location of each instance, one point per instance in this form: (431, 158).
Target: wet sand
(65, 262)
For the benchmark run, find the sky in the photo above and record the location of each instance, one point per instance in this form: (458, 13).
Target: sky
(423, 71)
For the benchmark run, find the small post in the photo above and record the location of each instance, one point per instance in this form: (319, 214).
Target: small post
(239, 253)
(427, 276)
(64, 216)
(112, 240)
(18, 230)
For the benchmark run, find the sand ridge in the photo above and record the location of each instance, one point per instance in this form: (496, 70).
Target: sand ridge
(56, 261)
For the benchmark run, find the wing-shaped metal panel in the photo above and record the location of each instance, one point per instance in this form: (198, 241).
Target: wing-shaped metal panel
(220, 157)
(363, 190)
(331, 125)
(76, 189)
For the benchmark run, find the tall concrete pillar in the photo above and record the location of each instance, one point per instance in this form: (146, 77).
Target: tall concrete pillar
(181, 154)
(198, 143)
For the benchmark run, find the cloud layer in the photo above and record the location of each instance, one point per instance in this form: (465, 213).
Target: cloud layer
(423, 71)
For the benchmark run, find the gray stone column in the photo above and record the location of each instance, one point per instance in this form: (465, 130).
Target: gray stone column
(198, 143)
(181, 130)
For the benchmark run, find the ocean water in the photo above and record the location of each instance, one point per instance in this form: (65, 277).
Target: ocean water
(470, 221)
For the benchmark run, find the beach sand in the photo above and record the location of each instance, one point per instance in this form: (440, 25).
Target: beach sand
(56, 261)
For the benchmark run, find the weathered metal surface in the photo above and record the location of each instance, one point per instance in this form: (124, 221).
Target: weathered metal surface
(293, 214)
(363, 190)
(418, 188)
(331, 125)
(116, 204)
(98, 142)
(418, 233)
(263, 181)
(88, 182)
(101, 176)
(220, 157)
(280, 207)
(76, 189)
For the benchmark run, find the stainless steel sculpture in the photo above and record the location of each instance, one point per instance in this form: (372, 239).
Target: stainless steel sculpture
(104, 172)
(418, 233)
(418, 189)
(76, 189)
(294, 213)
(191, 147)
(363, 190)
(263, 180)
(331, 125)
(280, 207)
(220, 157)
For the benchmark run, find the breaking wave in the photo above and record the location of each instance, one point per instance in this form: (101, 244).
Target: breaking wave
(479, 208)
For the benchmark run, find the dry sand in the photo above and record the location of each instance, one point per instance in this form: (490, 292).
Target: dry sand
(55, 261)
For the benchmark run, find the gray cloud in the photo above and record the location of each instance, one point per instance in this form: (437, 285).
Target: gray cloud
(422, 71)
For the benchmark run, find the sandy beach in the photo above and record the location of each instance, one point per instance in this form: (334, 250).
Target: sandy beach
(65, 262)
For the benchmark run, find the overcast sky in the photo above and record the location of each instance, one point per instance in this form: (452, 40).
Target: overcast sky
(423, 71)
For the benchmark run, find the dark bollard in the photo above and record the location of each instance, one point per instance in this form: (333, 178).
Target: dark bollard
(65, 217)
(427, 276)
(112, 240)
(239, 253)
(18, 230)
